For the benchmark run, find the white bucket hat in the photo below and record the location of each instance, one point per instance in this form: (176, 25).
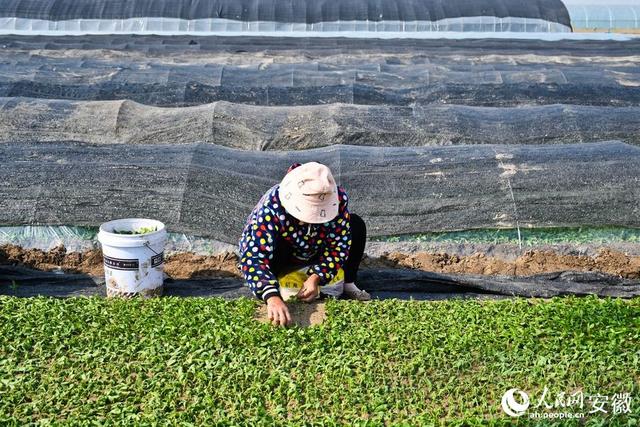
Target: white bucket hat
(309, 193)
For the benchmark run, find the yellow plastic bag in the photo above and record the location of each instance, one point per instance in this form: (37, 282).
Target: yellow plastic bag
(291, 283)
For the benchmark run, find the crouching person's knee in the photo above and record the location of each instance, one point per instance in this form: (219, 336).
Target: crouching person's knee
(358, 226)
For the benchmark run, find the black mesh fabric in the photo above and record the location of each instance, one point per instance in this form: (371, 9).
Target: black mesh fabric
(252, 127)
(381, 283)
(297, 11)
(362, 72)
(208, 190)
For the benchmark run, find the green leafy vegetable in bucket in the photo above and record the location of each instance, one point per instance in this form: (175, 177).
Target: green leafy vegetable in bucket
(141, 230)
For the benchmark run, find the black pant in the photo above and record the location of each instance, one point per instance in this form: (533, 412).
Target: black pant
(283, 258)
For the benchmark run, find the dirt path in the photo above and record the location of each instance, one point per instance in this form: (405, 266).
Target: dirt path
(187, 265)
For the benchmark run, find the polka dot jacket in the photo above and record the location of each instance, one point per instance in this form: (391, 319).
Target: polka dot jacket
(270, 224)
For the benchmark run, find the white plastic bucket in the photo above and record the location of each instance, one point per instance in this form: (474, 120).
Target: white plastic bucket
(133, 263)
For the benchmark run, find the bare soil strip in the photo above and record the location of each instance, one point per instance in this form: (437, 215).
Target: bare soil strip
(302, 314)
(190, 266)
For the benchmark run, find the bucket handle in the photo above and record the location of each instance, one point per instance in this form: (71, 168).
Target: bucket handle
(148, 246)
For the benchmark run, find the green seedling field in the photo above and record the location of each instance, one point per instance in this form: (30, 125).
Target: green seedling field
(170, 361)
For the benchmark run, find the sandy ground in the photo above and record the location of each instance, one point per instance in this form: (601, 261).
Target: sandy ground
(187, 265)
(302, 314)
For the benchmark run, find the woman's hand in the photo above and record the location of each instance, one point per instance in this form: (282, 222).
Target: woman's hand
(310, 289)
(278, 312)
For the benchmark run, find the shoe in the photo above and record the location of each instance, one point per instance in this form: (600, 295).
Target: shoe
(351, 291)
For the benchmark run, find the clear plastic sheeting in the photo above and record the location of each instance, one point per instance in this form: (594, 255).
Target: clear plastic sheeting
(465, 242)
(79, 239)
(605, 16)
(75, 239)
(174, 26)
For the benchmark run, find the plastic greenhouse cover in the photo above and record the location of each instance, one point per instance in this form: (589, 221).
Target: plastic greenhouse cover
(609, 15)
(173, 26)
(351, 18)
(294, 11)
